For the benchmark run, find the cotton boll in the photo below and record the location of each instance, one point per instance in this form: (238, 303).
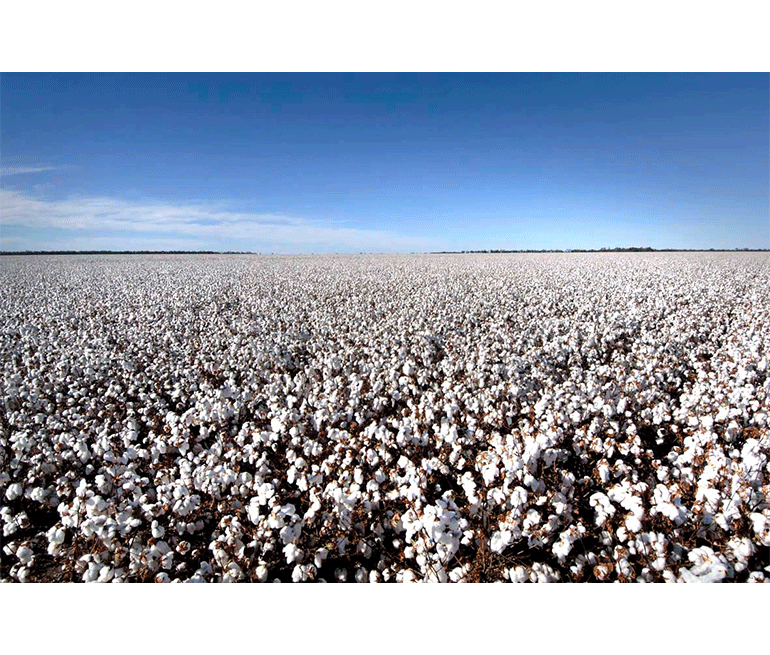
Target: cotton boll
(93, 571)
(406, 576)
(633, 524)
(518, 574)
(708, 566)
(24, 554)
(254, 510)
(157, 530)
(276, 425)
(500, 540)
(292, 553)
(14, 491)
(300, 573)
(261, 573)
(533, 518)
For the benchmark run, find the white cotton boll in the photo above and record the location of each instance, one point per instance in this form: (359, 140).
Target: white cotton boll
(289, 533)
(708, 566)
(518, 574)
(407, 576)
(341, 575)
(24, 554)
(102, 484)
(500, 540)
(532, 519)
(20, 573)
(320, 557)
(292, 553)
(299, 574)
(658, 564)
(233, 573)
(742, 550)
(254, 510)
(260, 573)
(633, 524)
(92, 572)
(760, 523)
(157, 530)
(56, 537)
(361, 576)
(489, 473)
(14, 491)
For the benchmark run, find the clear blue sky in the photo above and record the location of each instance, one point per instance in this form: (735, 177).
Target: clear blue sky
(376, 163)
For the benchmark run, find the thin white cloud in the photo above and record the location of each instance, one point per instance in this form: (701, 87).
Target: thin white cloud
(20, 170)
(211, 227)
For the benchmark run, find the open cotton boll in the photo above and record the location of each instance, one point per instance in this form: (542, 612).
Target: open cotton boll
(708, 566)
(742, 550)
(253, 510)
(500, 540)
(261, 573)
(24, 554)
(14, 491)
(292, 553)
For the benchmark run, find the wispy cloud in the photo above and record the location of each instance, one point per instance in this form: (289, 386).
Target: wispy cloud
(88, 220)
(20, 170)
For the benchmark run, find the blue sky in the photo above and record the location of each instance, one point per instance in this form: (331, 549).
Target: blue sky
(384, 163)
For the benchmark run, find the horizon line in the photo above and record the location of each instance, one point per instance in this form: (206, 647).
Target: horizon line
(433, 252)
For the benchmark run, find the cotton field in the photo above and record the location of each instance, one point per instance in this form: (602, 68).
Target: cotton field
(450, 418)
